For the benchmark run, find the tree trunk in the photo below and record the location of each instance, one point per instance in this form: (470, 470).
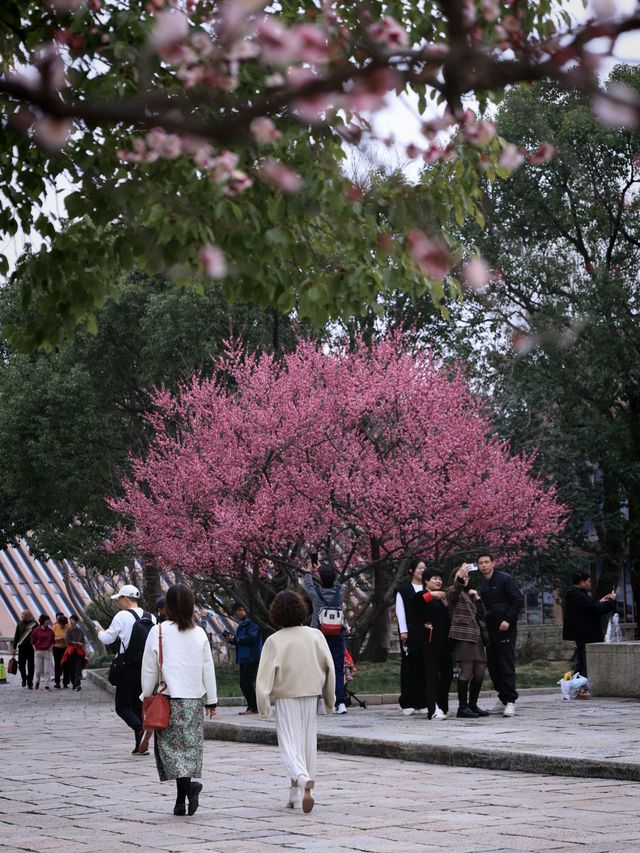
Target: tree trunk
(79, 608)
(151, 587)
(377, 647)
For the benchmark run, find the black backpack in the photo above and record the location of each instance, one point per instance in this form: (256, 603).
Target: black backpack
(139, 633)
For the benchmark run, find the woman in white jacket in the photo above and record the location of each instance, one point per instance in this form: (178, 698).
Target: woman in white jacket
(296, 668)
(188, 672)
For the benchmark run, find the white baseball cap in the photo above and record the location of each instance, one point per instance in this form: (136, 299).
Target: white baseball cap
(127, 591)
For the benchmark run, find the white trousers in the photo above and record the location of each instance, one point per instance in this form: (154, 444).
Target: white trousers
(42, 662)
(297, 730)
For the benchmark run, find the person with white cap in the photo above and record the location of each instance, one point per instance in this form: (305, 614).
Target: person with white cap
(128, 687)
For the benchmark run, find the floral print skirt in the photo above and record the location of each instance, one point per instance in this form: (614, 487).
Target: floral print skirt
(178, 749)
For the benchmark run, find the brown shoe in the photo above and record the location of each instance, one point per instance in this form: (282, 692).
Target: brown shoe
(307, 798)
(143, 746)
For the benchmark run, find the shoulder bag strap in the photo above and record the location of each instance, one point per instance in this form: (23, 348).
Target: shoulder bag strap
(160, 659)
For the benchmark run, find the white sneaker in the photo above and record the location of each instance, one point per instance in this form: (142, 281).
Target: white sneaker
(439, 714)
(408, 711)
(422, 711)
(509, 709)
(498, 708)
(295, 797)
(341, 709)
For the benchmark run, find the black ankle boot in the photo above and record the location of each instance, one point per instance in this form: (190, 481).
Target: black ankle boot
(194, 795)
(463, 704)
(180, 807)
(474, 693)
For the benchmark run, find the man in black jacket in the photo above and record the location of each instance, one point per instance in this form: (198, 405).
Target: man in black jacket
(22, 644)
(582, 617)
(503, 601)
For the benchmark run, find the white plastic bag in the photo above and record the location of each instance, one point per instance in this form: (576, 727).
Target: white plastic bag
(577, 684)
(565, 688)
(614, 631)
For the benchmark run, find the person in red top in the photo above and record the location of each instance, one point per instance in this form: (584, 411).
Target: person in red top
(42, 639)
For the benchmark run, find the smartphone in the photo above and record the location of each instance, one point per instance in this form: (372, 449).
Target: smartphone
(472, 567)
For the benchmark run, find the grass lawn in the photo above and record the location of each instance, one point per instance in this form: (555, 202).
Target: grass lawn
(385, 677)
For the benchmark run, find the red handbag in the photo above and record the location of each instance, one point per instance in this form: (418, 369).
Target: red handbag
(155, 708)
(12, 666)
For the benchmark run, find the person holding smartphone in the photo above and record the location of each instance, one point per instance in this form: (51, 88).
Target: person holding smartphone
(469, 635)
(582, 617)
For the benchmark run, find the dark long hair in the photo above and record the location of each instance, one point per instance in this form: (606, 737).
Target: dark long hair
(180, 605)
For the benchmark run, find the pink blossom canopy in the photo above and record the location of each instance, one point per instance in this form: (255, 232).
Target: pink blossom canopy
(345, 448)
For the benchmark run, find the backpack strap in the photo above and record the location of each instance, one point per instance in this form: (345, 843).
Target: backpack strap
(124, 648)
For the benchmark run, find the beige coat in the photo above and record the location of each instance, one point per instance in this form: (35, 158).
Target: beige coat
(295, 662)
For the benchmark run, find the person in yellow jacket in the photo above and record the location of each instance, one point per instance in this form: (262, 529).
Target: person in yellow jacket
(296, 669)
(60, 628)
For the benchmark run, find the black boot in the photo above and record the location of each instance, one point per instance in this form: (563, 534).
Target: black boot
(463, 706)
(194, 794)
(184, 786)
(474, 693)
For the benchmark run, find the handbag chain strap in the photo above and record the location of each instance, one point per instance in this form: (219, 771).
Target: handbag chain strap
(160, 651)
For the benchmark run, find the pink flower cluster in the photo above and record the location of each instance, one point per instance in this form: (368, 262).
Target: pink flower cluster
(221, 168)
(431, 254)
(213, 261)
(284, 45)
(358, 445)
(389, 32)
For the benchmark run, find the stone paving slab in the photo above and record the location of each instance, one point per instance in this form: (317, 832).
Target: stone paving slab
(594, 738)
(69, 783)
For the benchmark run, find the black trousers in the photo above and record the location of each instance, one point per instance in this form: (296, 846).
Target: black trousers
(248, 672)
(581, 659)
(501, 660)
(412, 680)
(74, 667)
(337, 646)
(59, 670)
(128, 702)
(437, 675)
(26, 662)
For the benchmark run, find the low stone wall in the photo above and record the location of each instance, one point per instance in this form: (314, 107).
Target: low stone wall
(614, 669)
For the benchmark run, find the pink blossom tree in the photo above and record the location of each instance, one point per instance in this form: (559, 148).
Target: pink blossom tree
(370, 455)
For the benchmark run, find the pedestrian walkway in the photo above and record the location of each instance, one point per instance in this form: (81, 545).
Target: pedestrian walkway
(69, 783)
(595, 738)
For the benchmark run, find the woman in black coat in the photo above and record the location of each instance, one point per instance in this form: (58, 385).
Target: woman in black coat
(432, 638)
(582, 617)
(413, 698)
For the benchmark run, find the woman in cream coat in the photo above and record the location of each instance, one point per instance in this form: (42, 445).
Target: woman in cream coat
(188, 672)
(296, 668)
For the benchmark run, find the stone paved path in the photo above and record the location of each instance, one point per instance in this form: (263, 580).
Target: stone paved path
(68, 783)
(598, 737)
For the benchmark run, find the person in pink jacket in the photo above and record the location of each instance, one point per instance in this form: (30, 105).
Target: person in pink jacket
(42, 638)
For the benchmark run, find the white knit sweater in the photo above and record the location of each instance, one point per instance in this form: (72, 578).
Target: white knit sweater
(295, 662)
(187, 667)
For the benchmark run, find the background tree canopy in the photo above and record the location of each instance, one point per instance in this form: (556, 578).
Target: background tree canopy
(117, 120)
(554, 338)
